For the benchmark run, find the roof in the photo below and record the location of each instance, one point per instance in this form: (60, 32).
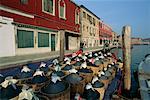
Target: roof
(74, 3)
(82, 6)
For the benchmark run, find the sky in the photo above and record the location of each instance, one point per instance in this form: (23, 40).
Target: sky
(118, 13)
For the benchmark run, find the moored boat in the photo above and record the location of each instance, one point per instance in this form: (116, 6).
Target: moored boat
(144, 78)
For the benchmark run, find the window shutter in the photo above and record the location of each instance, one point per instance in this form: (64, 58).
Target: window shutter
(62, 11)
(25, 39)
(43, 39)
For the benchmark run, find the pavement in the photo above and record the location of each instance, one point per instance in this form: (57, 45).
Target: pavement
(13, 61)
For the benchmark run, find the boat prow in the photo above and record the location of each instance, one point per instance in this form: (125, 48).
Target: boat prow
(144, 78)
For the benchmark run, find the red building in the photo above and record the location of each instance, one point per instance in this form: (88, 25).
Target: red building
(38, 22)
(105, 33)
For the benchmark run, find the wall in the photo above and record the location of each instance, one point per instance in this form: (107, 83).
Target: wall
(89, 36)
(7, 37)
(40, 18)
(36, 49)
(32, 14)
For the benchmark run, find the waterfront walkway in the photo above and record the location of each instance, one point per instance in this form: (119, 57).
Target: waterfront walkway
(13, 61)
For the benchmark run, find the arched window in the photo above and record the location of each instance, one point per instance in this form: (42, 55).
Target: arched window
(62, 9)
(77, 12)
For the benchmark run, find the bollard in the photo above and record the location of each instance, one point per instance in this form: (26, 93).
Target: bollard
(126, 34)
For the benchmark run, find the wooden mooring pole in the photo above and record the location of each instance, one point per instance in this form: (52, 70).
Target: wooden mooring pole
(62, 36)
(126, 37)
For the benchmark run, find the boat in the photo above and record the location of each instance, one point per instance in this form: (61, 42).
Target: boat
(144, 78)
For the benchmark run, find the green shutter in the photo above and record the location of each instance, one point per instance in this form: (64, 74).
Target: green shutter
(43, 39)
(25, 39)
(51, 6)
(45, 5)
(48, 6)
(53, 42)
(62, 11)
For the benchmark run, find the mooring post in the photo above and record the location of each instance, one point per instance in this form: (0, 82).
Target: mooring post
(126, 37)
(62, 36)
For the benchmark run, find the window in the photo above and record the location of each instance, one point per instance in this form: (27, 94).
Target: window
(43, 39)
(90, 20)
(83, 27)
(101, 41)
(84, 15)
(90, 30)
(62, 9)
(87, 28)
(24, 1)
(49, 6)
(93, 21)
(25, 39)
(77, 16)
(88, 17)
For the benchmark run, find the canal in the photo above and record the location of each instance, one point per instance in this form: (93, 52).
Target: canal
(138, 53)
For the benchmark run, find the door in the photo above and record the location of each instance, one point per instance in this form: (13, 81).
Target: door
(52, 42)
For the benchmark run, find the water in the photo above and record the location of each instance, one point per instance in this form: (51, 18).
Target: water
(137, 55)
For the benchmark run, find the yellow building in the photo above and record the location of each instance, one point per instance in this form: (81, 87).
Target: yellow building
(89, 28)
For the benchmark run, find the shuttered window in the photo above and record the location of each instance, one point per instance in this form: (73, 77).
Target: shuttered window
(62, 8)
(43, 39)
(24, 1)
(48, 6)
(25, 39)
(62, 12)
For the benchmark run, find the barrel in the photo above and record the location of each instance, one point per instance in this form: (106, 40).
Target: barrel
(77, 83)
(113, 71)
(9, 92)
(41, 97)
(66, 69)
(94, 69)
(56, 91)
(110, 60)
(37, 82)
(109, 75)
(91, 94)
(87, 74)
(22, 77)
(61, 74)
(100, 87)
(106, 62)
(105, 80)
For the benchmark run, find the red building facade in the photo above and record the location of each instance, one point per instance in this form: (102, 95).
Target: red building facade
(42, 16)
(105, 33)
